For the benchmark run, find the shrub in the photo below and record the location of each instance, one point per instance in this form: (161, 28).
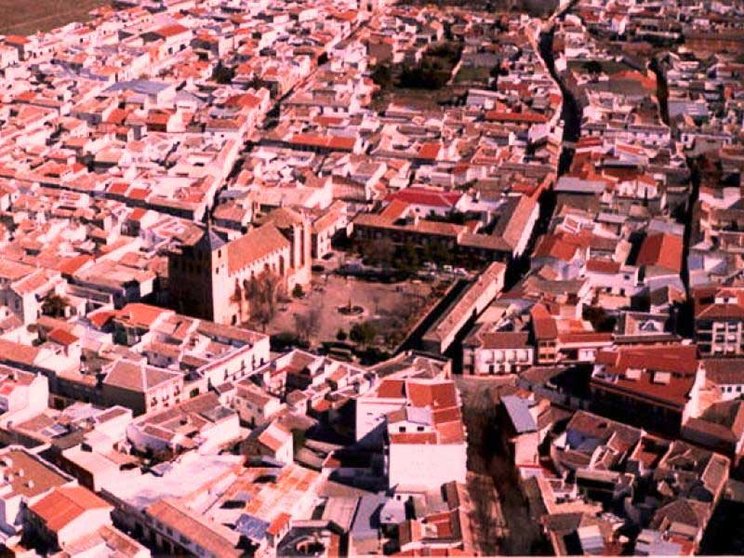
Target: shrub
(363, 333)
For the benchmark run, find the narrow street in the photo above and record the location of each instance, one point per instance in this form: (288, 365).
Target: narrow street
(685, 318)
(571, 116)
(486, 455)
(571, 113)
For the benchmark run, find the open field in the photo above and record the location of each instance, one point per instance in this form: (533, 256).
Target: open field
(25, 17)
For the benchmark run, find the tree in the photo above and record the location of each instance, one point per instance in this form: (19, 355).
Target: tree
(407, 259)
(223, 74)
(378, 252)
(284, 340)
(237, 298)
(600, 319)
(593, 67)
(437, 253)
(263, 294)
(382, 76)
(341, 334)
(363, 333)
(449, 51)
(484, 511)
(415, 301)
(426, 75)
(307, 324)
(55, 305)
(298, 292)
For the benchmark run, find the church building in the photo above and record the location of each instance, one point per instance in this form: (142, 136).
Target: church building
(210, 276)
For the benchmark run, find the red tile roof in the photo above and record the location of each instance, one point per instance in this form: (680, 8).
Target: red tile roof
(16, 40)
(602, 266)
(393, 389)
(426, 196)
(253, 246)
(662, 250)
(171, 30)
(429, 151)
(338, 143)
(434, 395)
(140, 315)
(680, 361)
(558, 246)
(543, 323)
(517, 117)
(62, 337)
(280, 522)
(706, 306)
(68, 266)
(101, 318)
(675, 358)
(65, 504)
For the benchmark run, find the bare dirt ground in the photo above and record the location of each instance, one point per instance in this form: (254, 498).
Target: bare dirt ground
(26, 17)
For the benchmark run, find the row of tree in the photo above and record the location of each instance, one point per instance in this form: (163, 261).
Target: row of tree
(407, 257)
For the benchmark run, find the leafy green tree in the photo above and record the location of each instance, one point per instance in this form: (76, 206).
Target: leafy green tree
(55, 305)
(378, 252)
(363, 333)
(448, 51)
(426, 75)
(438, 254)
(382, 75)
(593, 67)
(223, 74)
(407, 259)
(262, 292)
(307, 324)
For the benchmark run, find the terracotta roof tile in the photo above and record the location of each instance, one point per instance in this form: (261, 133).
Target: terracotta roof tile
(65, 504)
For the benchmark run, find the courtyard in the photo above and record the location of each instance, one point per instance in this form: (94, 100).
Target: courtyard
(334, 304)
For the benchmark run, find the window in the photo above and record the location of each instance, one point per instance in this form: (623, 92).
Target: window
(401, 429)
